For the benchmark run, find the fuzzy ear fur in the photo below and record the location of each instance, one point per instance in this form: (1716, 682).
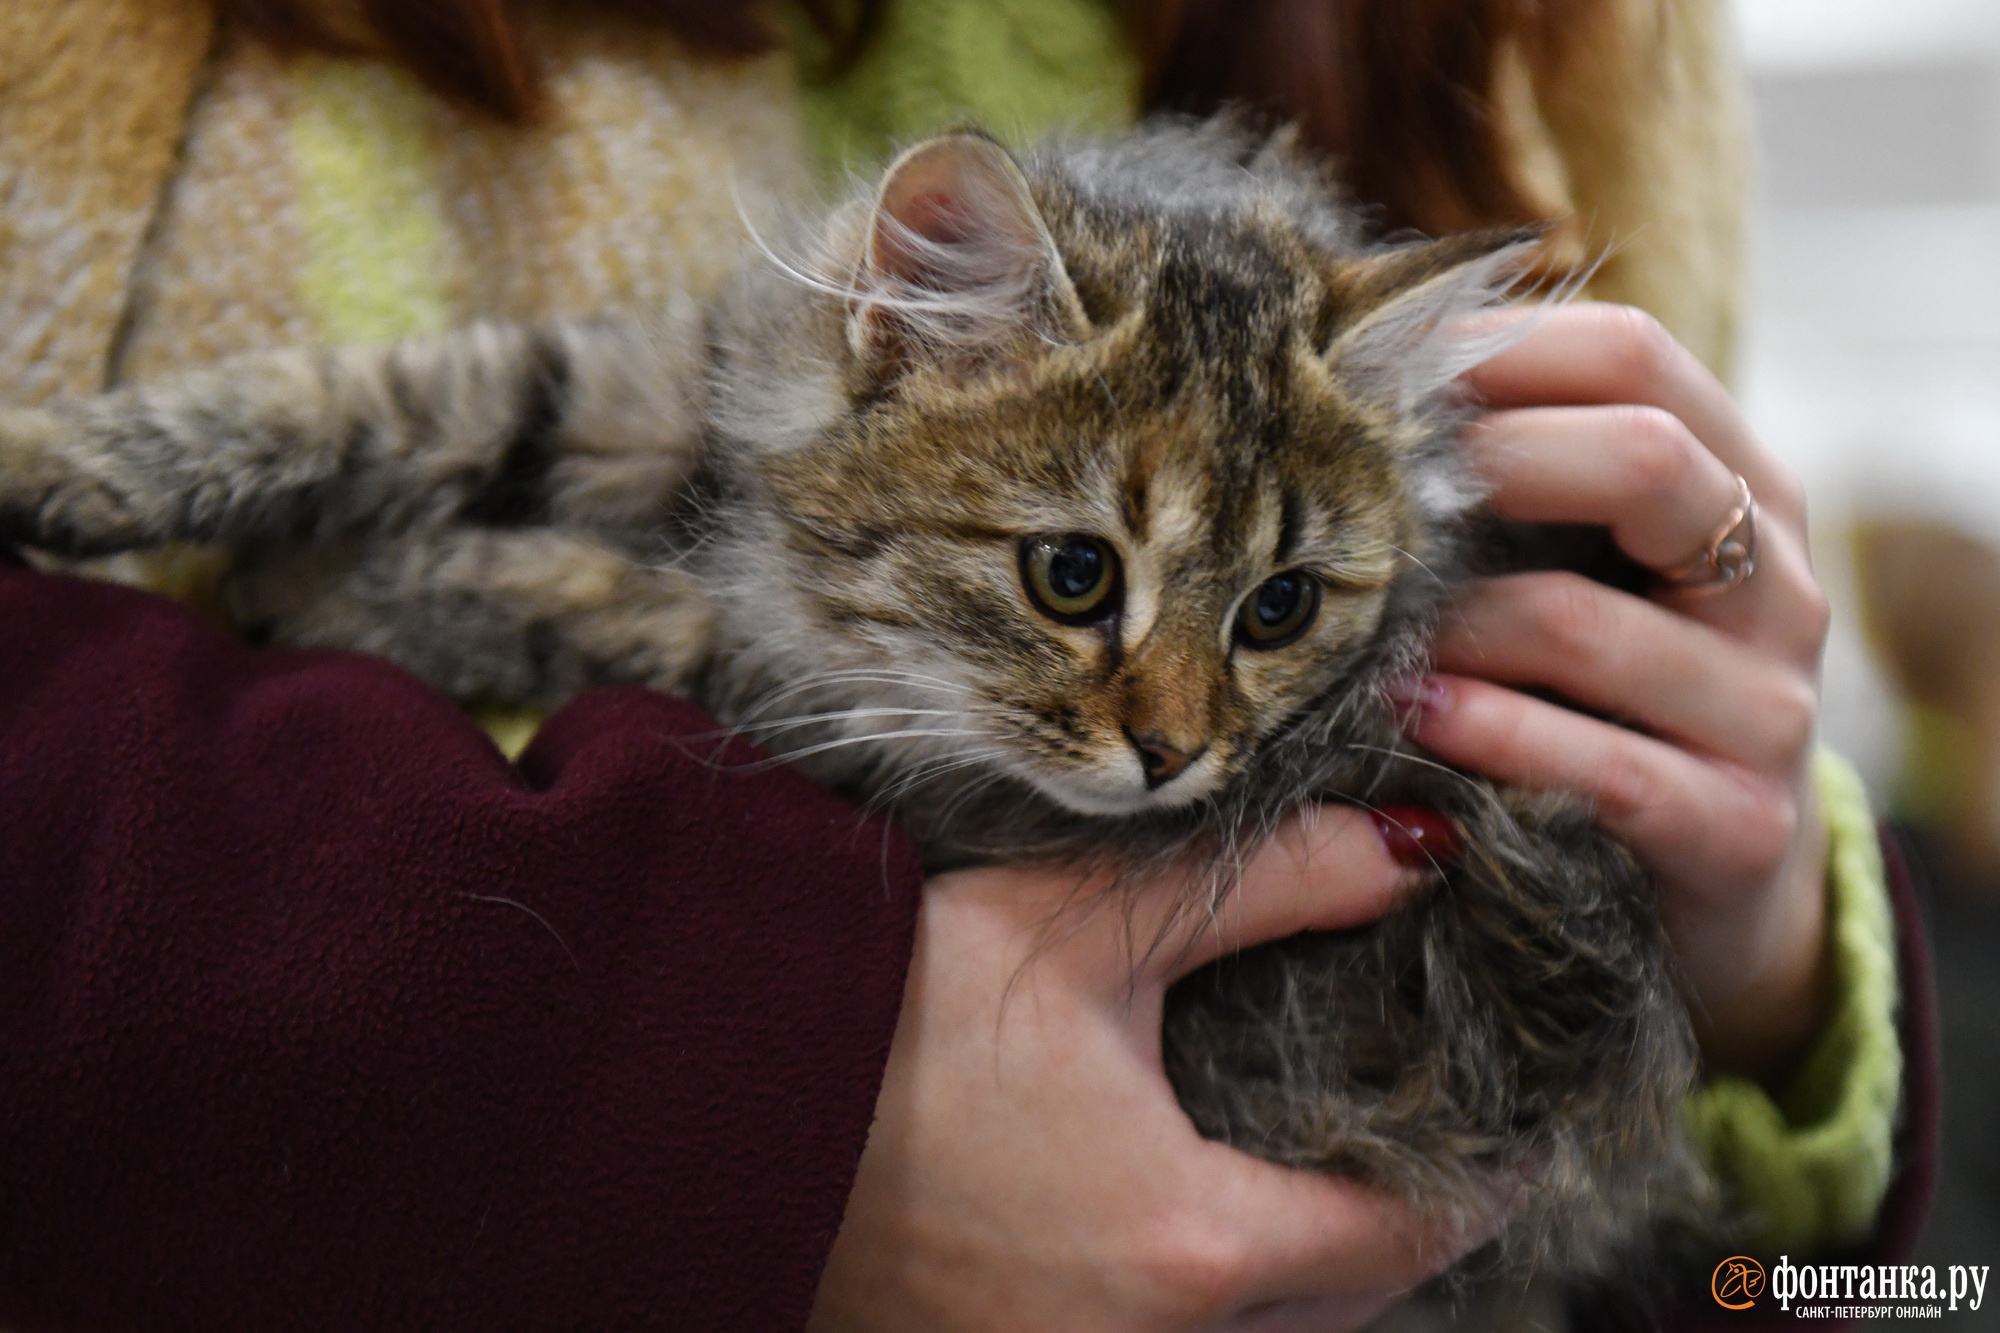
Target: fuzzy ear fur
(957, 268)
(1406, 345)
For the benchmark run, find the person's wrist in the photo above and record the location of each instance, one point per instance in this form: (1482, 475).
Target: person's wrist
(1766, 994)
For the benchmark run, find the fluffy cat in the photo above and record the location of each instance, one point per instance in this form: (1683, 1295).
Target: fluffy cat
(1069, 507)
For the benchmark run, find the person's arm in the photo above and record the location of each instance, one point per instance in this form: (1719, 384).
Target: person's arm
(314, 1013)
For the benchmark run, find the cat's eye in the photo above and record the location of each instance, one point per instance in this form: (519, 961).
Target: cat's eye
(1281, 609)
(1073, 578)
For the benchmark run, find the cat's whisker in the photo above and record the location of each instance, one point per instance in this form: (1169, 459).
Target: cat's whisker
(844, 741)
(842, 715)
(805, 752)
(1470, 783)
(925, 774)
(780, 724)
(755, 713)
(856, 675)
(878, 675)
(1435, 576)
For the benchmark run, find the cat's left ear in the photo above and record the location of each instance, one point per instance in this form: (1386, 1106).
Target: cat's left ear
(958, 269)
(1406, 341)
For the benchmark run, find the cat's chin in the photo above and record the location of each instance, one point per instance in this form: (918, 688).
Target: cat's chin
(1101, 796)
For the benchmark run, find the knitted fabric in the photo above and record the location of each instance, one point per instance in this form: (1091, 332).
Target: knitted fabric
(1638, 139)
(626, 197)
(1812, 1165)
(1019, 68)
(92, 99)
(337, 201)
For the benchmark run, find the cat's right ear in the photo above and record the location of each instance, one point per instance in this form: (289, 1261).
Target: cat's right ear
(1405, 342)
(957, 268)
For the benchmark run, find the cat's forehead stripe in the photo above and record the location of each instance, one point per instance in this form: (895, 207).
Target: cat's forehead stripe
(1289, 520)
(1142, 460)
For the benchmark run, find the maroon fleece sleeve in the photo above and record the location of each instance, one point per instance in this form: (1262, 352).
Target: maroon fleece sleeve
(317, 1014)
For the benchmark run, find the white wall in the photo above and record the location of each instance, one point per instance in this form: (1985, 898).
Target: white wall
(1872, 355)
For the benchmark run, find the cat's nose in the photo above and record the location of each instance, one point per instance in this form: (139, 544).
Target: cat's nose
(1162, 758)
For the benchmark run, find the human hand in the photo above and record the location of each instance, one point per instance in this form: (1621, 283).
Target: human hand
(1599, 417)
(1029, 1167)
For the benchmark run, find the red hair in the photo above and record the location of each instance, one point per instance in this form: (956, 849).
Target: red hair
(471, 50)
(1400, 91)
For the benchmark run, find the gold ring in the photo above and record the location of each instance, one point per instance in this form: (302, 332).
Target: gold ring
(1730, 555)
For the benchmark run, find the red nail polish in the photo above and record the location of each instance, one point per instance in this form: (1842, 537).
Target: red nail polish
(1417, 838)
(1417, 698)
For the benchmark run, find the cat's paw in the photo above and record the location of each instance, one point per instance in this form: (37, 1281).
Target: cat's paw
(59, 487)
(25, 438)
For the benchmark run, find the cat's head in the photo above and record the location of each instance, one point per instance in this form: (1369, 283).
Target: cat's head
(1123, 448)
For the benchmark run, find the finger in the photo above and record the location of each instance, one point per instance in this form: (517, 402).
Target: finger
(1656, 487)
(1627, 657)
(1643, 474)
(1650, 795)
(1587, 354)
(1325, 1236)
(1636, 470)
(1326, 868)
(1780, 606)
(1322, 1314)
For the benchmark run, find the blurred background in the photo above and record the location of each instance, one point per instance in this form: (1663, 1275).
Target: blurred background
(1872, 364)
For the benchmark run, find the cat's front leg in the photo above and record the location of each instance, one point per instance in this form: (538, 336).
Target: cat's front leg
(582, 423)
(533, 616)
(218, 455)
(59, 494)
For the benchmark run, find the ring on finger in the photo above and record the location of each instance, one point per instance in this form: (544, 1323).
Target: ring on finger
(1729, 557)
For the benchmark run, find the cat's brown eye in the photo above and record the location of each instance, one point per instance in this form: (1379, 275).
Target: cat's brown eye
(1073, 578)
(1279, 611)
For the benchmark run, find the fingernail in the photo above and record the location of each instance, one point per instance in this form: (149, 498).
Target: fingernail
(1417, 698)
(1417, 838)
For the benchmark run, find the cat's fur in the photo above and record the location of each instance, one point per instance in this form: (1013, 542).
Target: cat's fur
(809, 512)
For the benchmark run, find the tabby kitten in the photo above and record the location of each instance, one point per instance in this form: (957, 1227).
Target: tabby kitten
(1073, 508)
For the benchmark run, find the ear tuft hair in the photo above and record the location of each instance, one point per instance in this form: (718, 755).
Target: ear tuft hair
(1409, 341)
(957, 267)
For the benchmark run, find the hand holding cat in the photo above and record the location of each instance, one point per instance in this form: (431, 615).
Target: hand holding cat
(1600, 417)
(1029, 1166)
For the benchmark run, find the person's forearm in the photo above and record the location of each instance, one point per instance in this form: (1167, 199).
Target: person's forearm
(316, 1014)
